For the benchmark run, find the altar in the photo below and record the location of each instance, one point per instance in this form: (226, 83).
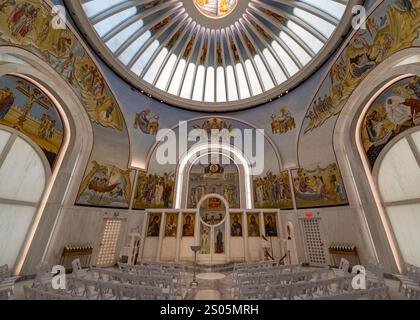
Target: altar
(224, 234)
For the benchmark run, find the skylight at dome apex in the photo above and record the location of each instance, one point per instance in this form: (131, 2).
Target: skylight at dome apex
(214, 55)
(215, 9)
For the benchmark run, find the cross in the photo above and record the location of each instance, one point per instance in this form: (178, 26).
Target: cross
(34, 96)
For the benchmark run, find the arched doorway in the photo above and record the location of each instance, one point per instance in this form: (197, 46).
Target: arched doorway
(67, 166)
(213, 229)
(215, 185)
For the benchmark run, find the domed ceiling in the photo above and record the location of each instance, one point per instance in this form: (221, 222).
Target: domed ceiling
(213, 55)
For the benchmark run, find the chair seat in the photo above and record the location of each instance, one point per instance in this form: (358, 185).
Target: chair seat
(402, 277)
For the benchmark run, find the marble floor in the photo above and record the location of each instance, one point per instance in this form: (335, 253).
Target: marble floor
(211, 286)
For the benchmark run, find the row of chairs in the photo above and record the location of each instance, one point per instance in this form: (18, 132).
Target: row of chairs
(273, 277)
(379, 293)
(158, 270)
(282, 276)
(33, 293)
(88, 289)
(169, 282)
(271, 281)
(153, 268)
(255, 265)
(289, 290)
(410, 282)
(261, 267)
(334, 289)
(7, 283)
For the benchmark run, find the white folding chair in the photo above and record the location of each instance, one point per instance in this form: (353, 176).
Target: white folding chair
(278, 292)
(149, 293)
(109, 291)
(128, 292)
(251, 292)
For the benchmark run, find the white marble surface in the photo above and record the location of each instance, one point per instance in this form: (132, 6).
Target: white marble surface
(24, 172)
(4, 138)
(208, 295)
(211, 276)
(399, 182)
(150, 248)
(15, 221)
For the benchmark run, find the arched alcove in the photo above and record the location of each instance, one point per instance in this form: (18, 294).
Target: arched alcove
(190, 157)
(377, 238)
(217, 174)
(69, 166)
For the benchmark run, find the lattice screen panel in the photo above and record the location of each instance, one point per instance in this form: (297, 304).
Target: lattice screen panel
(109, 243)
(314, 244)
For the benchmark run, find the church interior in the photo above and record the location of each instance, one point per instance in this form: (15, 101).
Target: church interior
(209, 150)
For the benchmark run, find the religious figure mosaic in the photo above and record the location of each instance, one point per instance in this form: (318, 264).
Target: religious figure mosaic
(154, 191)
(171, 226)
(29, 24)
(153, 229)
(320, 187)
(273, 191)
(253, 225)
(219, 240)
(282, 123)
(147, 122)
(105, 186)
(236, 225)
(270, 224)
(214, 179)
(395, 110)
(26, 108)
(392, 27)
(215, 8)
(188, 225)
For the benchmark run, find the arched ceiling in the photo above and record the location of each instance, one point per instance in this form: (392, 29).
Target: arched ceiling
(210, 55)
